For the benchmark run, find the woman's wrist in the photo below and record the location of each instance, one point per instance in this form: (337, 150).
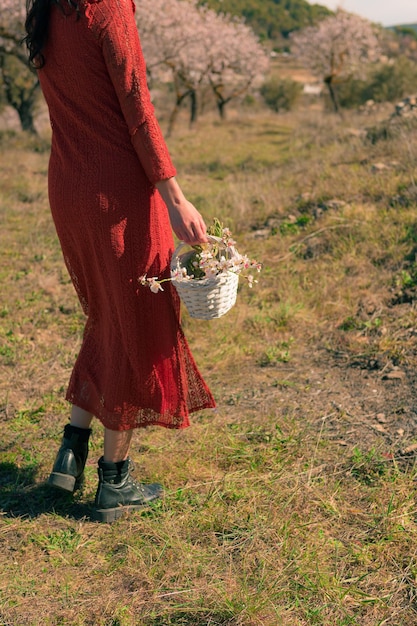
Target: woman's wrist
(171, 192)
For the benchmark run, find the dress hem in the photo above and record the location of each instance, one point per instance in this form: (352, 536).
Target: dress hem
(181, 426)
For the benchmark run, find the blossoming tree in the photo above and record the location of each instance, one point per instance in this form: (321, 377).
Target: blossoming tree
(19, 84)
(238, 63)
(172, 32)
(12, 16)
(194, 47)
(337, 48)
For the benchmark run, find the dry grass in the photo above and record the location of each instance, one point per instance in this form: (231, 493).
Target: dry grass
(291, 505)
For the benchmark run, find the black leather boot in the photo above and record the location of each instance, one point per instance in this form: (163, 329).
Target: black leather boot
(68, 470)
(118, 493)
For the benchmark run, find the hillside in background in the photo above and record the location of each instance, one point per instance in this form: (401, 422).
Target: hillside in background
(405, 29)
(408, 26)
(272, 19)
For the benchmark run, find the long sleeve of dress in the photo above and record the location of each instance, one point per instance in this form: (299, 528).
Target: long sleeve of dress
(113, 23)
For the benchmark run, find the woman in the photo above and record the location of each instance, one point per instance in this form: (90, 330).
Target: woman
(114, 199)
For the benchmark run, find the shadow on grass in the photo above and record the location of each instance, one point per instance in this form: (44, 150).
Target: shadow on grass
(22, 496)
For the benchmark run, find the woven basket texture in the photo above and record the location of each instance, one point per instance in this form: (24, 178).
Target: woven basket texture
(207, 298)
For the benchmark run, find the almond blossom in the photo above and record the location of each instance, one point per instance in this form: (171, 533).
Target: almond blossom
(153, 283)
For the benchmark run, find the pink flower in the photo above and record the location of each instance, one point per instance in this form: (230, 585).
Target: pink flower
(154, 285)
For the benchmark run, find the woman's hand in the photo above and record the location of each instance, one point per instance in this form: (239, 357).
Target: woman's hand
(186, 221)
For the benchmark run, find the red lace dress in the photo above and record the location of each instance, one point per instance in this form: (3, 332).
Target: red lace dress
(134, 367)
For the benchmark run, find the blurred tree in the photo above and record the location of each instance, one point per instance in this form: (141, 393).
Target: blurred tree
(20, 89)
(172, 33)
(338, 48)
(281, 95)
(19, 84)
(193, 46)
(12, 17)
(238, 63)
(392, 81)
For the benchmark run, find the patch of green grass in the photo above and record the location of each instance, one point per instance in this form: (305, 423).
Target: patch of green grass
(278, 353)
(367, 467)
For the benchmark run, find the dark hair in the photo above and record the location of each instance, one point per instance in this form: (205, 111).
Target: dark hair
(36, 26)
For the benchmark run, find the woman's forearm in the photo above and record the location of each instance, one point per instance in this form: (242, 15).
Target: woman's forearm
(186, 221)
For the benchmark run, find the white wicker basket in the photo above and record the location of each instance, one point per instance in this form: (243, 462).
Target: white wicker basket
(207, 298)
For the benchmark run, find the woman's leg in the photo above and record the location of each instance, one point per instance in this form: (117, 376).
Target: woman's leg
(117, 493)
(68, 470)
(80, 418)
(116, 442)
(116, 445)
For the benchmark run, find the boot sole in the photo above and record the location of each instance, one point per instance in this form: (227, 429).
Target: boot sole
(107, 516)
(65, 482)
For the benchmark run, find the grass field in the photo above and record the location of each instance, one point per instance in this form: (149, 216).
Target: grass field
(294, 503)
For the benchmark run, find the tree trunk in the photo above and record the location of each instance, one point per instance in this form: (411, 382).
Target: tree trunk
(25, 112)
(221, 107)
(172, 119)
(175, 111)
(333, 97)
(193, 107)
